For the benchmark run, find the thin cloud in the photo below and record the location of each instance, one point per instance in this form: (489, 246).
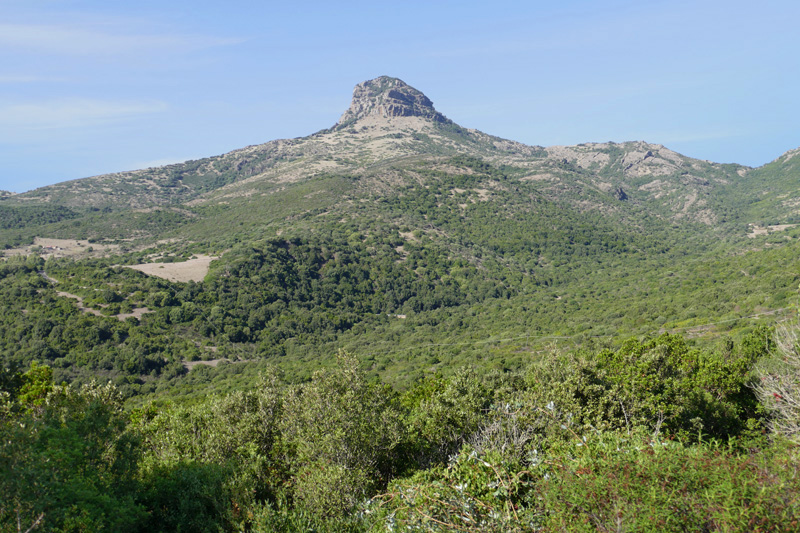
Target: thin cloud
(73, 113)
(70, 40)
(10, 79)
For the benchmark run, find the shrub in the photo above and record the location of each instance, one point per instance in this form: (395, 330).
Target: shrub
(66, 461)
(779, 386)
(481, 493)
(659, 384)
(205, 465)
(444, 413)
(611, 482)
(342, 433)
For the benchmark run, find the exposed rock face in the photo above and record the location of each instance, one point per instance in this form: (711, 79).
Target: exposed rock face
(389, 97)
(790, 155)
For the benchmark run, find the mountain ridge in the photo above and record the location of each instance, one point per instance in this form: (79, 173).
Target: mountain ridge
(390, 121)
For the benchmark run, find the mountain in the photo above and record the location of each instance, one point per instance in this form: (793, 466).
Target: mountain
(389, 123)
(769, 193)
(301, 331)
(398, 235)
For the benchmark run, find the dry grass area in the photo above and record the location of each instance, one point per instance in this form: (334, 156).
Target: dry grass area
(194, 269)
(755, 231)
(63, 248)
(188, 365)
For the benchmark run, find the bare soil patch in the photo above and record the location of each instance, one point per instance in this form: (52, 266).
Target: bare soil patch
(192, 270)
(409, 236)
(188, 365)
(136, 313)
(63, 248)
(755, 231)
(81, 306)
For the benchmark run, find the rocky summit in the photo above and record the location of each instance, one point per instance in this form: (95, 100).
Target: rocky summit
(388, 97)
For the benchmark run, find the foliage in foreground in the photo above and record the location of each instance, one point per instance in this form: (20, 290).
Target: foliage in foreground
(608, 481)
(779, 385)
(580, 442)
(67, 461)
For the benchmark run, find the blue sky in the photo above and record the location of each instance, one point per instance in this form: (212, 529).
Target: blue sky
(90, 87)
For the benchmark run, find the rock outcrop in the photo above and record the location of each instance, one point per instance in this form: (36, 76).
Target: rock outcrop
(388, 97)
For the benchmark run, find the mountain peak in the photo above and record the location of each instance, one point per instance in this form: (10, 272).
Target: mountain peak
(388, 97)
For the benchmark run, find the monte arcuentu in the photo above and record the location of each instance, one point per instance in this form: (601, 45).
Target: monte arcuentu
(399, 322)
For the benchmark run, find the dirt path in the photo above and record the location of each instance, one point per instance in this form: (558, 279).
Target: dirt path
(189, 365)
(81, 307)
(137, 313)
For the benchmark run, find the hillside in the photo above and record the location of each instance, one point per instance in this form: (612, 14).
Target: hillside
(412, 242)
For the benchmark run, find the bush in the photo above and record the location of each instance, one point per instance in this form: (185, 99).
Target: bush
(343, 434)
(618, 483)
(481, 493)
(603, 481)
(779, 386)
(188, 496)
(444, 413)
(660, 384)
(207, 463)
(66, 461)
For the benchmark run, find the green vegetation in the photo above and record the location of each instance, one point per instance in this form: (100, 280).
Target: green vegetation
(652, 436)
(528, 339)
(19, 217)
(484, 268)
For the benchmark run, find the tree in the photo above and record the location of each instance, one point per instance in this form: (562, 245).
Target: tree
(343, 433)
(67, 462)
(203, 464)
